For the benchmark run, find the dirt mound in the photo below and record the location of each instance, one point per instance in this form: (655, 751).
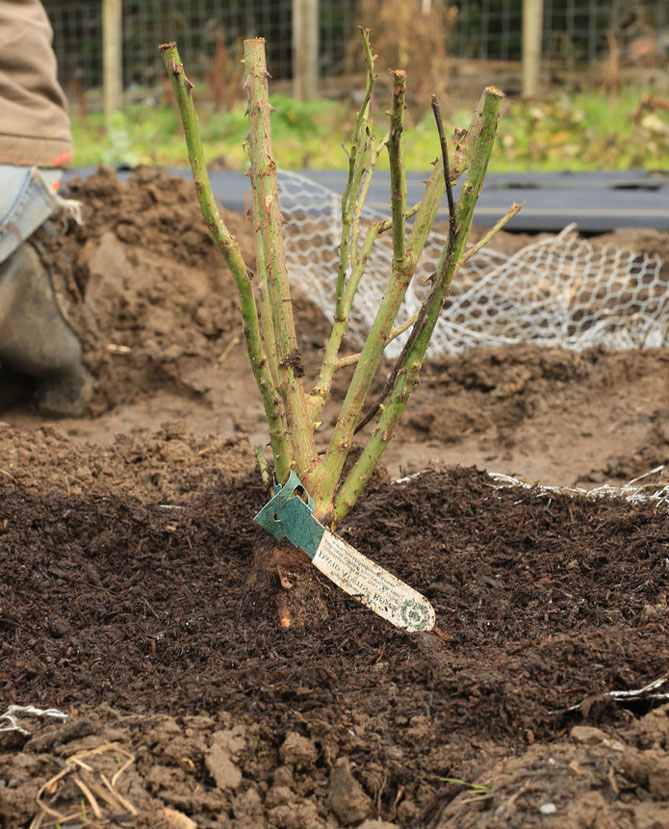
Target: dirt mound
(137, 280)
(166, 465)
(543, 602)
(565, 599)
(548, 415)
(595, 780)
(244, 772)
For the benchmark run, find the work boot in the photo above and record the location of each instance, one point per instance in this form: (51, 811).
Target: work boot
(35, 338)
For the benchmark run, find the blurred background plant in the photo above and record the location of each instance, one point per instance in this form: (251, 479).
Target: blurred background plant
(584, 131)
(413, 33)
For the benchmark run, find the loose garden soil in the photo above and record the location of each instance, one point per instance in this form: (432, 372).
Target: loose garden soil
(126, 544)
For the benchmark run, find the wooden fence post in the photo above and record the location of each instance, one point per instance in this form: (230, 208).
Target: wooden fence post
(112, 56)
(533, 19)
(305, 49)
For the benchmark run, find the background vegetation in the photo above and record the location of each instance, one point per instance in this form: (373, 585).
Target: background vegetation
(584, 131)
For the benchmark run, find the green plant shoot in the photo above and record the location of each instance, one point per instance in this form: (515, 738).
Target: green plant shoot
(292, 403)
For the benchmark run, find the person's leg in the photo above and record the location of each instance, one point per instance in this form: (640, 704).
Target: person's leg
(35, 339)
(27, 199)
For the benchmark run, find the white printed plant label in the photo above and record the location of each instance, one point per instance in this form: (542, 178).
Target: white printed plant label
(373, 586)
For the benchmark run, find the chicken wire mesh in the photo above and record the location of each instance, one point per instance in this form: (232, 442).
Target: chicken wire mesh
(560, 291)
(650, 488)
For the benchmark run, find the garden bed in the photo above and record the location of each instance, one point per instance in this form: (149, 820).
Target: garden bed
(127, 552)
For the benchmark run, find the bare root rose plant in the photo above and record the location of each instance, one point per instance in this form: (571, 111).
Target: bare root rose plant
(292, 406)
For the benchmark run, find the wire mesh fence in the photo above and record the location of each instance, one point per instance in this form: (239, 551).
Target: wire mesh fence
(209, 33)
(573, 30)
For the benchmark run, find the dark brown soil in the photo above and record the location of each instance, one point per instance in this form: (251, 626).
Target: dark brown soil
(126, 553)
(521, 586)
(542, 603)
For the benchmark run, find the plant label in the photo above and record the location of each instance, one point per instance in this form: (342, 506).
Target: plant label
(287, 515)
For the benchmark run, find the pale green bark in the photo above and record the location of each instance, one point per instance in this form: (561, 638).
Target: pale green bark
(268, 223)
(226, 243)
(464, 210)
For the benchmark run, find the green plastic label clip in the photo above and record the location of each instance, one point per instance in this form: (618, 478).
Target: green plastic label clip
(288, 516)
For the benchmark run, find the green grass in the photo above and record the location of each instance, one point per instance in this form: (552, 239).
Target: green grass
(582, 132)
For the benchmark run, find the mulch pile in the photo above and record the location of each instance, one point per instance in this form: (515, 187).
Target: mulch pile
(544, 602)
(135, 617)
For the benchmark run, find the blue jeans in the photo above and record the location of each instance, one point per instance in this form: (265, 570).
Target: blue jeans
(27, 199)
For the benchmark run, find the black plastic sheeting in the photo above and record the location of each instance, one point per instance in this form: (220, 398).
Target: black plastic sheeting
(597, 202)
